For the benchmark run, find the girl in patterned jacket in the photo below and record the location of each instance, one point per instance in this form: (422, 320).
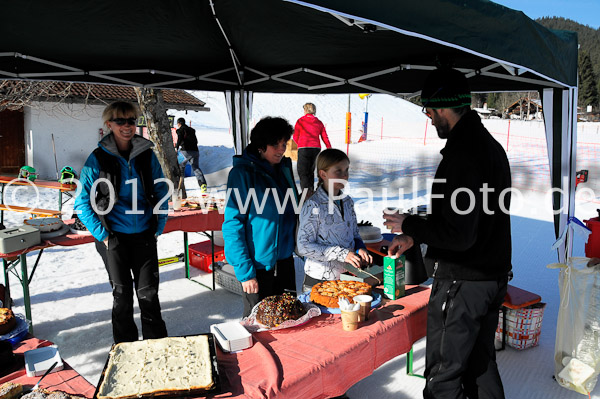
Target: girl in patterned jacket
(328, 232)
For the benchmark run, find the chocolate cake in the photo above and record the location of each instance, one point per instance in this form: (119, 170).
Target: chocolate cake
(274, 310)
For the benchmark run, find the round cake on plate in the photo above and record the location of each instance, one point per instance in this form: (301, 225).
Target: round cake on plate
(45, 225)
(370, 234)
(7, 321)
(274, 310)
(327, 293)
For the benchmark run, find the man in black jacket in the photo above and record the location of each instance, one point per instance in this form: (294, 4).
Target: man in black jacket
(188, 145)
(469, 245)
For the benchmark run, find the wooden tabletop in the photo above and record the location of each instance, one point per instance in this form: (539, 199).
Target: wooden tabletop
(38, 183)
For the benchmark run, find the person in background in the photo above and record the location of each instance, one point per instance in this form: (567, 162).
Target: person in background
(259, 239)
(469, 245)
(328, 231)
(187, 144)
(124, 219)
(308, 132)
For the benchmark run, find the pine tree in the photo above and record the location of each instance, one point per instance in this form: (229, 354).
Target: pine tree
(588, 83)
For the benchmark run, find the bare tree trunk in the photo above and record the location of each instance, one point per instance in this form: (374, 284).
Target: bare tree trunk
(159, 129)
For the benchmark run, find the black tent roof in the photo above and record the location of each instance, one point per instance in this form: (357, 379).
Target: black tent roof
(326, 46)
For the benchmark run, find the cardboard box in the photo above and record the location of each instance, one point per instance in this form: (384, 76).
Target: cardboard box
(201, 258)
(18, 238)
(231, 336)
(393, 277)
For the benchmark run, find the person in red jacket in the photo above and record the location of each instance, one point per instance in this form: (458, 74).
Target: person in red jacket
(307, 134)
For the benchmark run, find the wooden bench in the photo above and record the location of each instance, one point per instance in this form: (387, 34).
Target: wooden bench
(4, 180)
(33, 211)
(516, 298)
(54, 185)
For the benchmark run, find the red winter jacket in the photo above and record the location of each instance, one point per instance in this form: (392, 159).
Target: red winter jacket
(307, 132)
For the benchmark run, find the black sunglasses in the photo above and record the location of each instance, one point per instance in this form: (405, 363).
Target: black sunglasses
(122, 121)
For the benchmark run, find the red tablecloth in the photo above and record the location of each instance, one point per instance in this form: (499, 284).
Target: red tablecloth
(184, 220)
(316, 360)
(66, 380)
(320, 359)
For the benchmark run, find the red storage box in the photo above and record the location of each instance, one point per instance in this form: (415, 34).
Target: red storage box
(592, 246)
(200, 256)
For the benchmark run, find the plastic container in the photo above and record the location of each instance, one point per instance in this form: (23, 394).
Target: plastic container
(38, 361)
(592, 246)
(231, 336)
(201, 258)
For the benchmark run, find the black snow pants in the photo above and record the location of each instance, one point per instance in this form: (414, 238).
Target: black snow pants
(131, 259)
(306, 167)
(460, 354)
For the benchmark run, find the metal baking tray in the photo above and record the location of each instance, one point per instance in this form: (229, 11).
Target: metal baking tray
(216, 389)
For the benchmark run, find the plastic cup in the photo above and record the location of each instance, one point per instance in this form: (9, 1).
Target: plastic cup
(365, 306)
(176, 198)
(390, 210)
(349, 320)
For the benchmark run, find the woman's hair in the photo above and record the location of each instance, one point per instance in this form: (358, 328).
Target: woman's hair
(329, 157)
(118, 109)
(269, 131)
(310, 108)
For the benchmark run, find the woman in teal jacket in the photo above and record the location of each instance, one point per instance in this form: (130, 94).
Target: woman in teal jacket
(260, 216)
(125, 219)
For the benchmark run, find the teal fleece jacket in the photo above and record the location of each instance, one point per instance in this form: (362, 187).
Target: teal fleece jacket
(121, 218)
(258, 232)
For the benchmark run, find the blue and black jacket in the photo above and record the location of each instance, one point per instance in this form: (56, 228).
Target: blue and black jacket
(139, 197)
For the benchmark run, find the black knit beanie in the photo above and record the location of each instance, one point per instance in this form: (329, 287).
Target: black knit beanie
(445, 88)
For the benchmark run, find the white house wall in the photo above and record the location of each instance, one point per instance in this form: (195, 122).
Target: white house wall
(76, 133)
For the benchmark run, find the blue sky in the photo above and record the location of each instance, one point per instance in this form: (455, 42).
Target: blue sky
(586, 12)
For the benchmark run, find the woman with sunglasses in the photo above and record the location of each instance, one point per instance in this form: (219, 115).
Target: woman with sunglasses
(120, 188)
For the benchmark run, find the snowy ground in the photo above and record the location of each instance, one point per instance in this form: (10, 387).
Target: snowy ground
(71, 297)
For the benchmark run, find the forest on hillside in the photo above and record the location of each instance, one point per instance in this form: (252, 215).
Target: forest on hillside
(589, 57)
(588, 69)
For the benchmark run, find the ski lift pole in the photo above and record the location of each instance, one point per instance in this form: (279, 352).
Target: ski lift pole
(348, 126)
(365, 96)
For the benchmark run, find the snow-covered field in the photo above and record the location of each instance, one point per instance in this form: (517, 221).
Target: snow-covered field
(71, 298)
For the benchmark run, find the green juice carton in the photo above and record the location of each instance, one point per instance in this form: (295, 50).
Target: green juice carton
(393, 277)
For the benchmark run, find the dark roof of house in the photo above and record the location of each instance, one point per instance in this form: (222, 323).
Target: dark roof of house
(103, 94)
(174, 99)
